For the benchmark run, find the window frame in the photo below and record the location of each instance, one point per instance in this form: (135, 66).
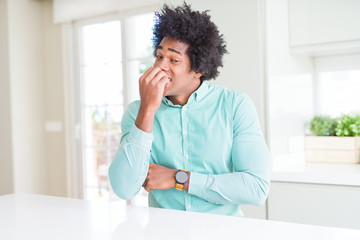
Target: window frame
(74, 89)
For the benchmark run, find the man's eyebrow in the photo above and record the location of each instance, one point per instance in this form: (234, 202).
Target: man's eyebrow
(175, 51)
(170, 49)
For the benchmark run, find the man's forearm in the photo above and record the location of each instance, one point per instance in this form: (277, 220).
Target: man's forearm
(161, 177)
(129, 167)
(230, 188)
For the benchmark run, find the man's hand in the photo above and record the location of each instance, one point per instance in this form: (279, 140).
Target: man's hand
(159, 177)
(151, 85)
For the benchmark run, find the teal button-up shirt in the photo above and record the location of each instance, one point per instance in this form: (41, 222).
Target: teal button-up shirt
(216, 136)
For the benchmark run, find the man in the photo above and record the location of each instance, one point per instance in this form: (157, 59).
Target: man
(193, 146)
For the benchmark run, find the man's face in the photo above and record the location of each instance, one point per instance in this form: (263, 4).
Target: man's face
(171, 57)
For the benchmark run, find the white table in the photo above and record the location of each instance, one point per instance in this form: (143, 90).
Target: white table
(24, 216)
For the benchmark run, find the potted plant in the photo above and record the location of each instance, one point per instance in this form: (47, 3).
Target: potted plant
(334, 140)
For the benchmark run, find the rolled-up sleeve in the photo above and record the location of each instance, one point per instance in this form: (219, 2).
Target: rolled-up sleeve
(129, 167)
(250, 180)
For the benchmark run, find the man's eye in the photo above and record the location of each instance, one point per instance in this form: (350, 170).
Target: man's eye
(174, 60)
(158, 57)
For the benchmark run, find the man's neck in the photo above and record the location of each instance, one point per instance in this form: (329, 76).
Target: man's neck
(179, 100)
(183, 99)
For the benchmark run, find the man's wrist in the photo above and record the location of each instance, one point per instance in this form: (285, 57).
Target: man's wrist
(186, 185)
(144, 120)
(182, 185)
(147, 110)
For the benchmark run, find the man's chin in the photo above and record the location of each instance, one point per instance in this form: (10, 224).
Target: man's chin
(167, 93)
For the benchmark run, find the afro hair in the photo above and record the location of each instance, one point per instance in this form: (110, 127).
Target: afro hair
(206, 44)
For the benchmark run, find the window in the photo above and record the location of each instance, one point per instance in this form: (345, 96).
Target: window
(113, 53)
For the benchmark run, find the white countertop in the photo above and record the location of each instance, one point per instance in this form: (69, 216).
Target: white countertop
(293, 168)
(39, 217)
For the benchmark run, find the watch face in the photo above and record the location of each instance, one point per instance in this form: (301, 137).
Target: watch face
(181, 177)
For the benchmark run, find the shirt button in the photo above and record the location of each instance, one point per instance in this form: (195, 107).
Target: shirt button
(185, 132)
(184, 109)
(188, 206)
(186, 156)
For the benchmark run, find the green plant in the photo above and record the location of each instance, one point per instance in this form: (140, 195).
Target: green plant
(323, 126)
(348, 125)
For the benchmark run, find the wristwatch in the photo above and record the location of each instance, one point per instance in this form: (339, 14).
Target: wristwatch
(181, 177)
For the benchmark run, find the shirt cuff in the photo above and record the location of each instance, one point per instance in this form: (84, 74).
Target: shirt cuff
(140, 137)
(197, 183)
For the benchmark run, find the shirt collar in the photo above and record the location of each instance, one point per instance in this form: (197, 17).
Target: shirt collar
(201, 91)
(198, 94)
(167, 102)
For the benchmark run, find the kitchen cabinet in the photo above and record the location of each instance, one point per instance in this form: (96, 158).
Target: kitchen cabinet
(318, 204)
(324, 25)
(252, 211)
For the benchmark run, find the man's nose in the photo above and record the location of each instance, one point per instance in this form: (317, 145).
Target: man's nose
(164, 65)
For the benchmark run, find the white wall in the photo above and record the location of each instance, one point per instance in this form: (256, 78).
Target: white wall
(244, 66)
(70, 10)
(26, 90)
(31, 92)
(6, 164)
(53, 92)
(290, 79)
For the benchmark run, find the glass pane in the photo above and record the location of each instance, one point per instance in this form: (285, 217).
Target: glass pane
(140, 35)
(102, 92)
(95, 126)
(103, 125)
(339, 92)
(97, 166)
(103, 84)
(94, 158)
(103, 136)
(101, 43)
(114, 115)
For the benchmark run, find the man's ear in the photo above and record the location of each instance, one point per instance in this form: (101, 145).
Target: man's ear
(198, 75)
